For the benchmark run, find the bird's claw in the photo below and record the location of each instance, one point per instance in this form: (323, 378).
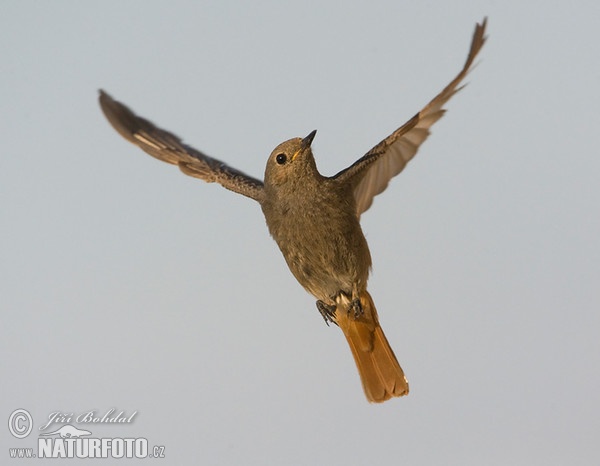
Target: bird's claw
(327, 312)
(356, 308)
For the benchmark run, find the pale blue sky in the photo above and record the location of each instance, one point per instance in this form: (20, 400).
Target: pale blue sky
(125, 284)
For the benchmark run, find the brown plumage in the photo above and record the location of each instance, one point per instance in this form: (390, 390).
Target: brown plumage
(314, 219)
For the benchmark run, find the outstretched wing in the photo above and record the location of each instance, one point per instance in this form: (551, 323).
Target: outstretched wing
(371, 174)
(167, 147)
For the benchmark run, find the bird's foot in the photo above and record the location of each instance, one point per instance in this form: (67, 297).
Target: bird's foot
(356, 308)
(327, 312)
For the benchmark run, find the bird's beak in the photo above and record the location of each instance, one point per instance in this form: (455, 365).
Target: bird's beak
(306, 142)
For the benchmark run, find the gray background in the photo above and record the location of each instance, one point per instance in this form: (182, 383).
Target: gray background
(125, 284)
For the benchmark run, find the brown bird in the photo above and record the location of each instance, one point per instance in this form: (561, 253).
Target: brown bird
(315, 219)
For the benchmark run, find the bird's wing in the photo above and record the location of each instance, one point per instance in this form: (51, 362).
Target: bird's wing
(169, 148)
(371, 174)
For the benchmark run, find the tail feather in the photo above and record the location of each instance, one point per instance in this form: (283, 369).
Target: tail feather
(379, 370)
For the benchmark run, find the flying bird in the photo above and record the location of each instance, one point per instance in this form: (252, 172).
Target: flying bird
(315, 219)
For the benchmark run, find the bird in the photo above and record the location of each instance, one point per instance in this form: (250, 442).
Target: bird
(315, 219)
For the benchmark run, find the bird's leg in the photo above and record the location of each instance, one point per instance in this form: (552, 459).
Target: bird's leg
(356, 308)
(327, 311)
(351, 303)
(355, 305)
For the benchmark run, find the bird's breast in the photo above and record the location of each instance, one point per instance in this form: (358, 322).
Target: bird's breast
(322, 242)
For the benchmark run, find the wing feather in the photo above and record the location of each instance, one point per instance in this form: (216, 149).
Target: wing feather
(167, 147)
(371, 174)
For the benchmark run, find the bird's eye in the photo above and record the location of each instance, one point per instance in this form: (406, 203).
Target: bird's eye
(281, 159)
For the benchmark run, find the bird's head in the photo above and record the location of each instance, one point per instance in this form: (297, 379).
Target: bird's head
(291, 162)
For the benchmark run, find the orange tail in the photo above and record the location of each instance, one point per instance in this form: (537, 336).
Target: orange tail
(380, 374)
